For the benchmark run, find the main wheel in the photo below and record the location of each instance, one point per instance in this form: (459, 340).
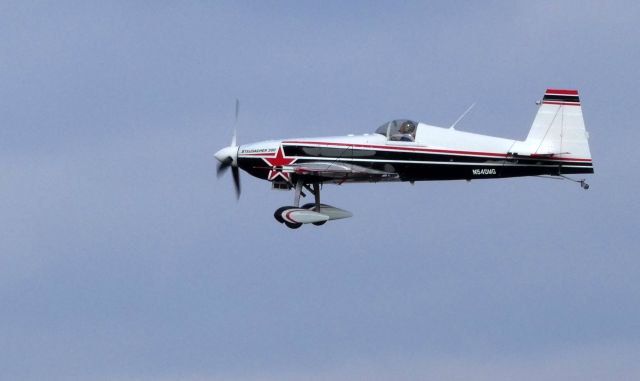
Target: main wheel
(291, 225)
(319, 223)
(278, 213)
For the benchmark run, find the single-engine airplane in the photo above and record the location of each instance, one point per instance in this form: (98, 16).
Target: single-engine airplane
(404, 150)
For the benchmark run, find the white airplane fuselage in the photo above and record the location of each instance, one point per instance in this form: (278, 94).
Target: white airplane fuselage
(404, 150)
(435, 154)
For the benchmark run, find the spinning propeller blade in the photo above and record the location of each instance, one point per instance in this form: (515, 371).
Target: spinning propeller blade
(224, 165)
(228, 157)
(236, 180)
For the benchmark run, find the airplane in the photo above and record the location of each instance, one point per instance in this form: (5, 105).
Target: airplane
(405, 150)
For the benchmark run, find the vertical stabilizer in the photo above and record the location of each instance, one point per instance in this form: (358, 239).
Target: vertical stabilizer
(558, 129)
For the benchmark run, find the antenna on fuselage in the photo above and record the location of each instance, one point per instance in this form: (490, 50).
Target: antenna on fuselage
(462, 116)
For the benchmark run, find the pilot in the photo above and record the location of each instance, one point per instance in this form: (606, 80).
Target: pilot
(407, 131)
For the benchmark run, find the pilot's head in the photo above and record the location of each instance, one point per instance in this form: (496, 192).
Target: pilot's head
(407, 127)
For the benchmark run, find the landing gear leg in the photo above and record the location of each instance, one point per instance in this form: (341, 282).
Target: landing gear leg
(281, 214)
(296, 198)
(296, 204)
(316, 196)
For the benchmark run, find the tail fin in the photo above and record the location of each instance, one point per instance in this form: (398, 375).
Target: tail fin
(558, 129)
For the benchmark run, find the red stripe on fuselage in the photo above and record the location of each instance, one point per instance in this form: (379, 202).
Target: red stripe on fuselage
(416, 149)
(547, 157)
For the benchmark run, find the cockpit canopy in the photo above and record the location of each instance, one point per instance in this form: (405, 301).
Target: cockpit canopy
(399, 130)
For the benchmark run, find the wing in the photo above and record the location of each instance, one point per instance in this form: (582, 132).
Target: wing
(338, 171)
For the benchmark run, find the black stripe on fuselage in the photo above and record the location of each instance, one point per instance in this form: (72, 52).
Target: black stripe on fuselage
(417, 166)
(417, 171)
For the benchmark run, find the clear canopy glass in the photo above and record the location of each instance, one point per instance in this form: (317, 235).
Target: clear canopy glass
(399, 130)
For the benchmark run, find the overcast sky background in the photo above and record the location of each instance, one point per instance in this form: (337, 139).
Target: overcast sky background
(122, 257)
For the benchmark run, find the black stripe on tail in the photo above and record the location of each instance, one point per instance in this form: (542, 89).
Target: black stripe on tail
(561, 97)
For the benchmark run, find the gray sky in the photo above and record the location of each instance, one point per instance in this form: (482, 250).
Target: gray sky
(123, 257)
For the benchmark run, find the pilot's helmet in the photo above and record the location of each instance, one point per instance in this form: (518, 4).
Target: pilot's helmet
(408, 127)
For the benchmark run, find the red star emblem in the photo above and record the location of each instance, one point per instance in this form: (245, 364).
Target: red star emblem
(276, 164)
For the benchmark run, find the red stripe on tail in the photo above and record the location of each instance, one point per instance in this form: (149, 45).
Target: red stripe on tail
(563, 92)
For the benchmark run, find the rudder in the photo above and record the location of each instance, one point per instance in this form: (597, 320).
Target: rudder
(558, 129)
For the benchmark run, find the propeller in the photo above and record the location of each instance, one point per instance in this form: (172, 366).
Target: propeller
(228, 157)
(224, 165)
